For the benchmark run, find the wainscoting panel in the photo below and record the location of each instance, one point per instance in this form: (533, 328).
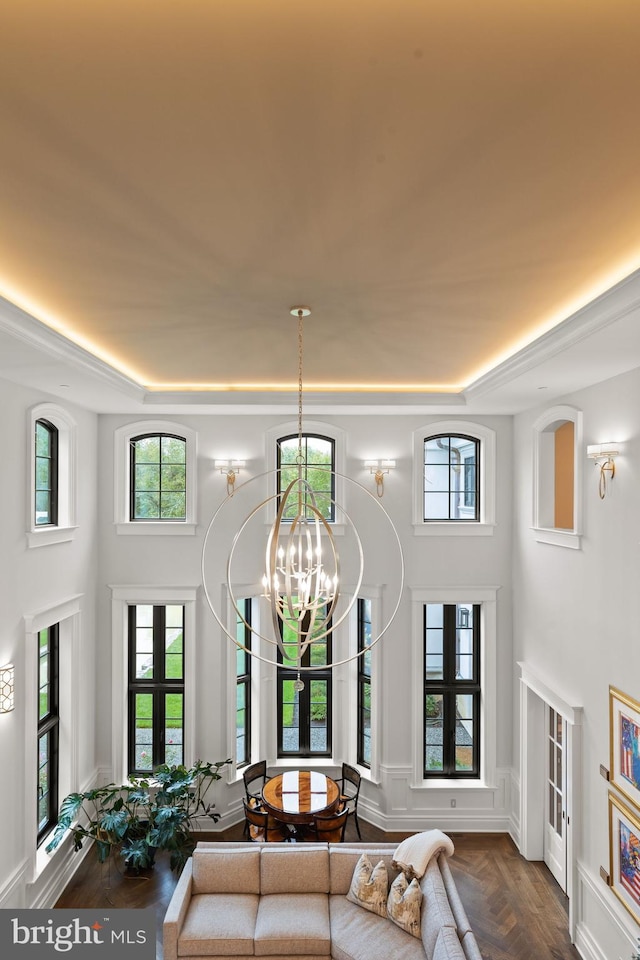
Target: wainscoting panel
(604, 930)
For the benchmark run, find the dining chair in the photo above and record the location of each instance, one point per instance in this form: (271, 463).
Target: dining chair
(255, 777)
(350, 791)
(260, 827)
(330, 829)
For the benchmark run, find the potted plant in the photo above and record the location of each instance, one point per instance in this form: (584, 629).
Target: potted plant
(137, 818)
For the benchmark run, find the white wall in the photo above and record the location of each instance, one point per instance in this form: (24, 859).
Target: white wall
(31, 580)
(394, 803)
(575, 626)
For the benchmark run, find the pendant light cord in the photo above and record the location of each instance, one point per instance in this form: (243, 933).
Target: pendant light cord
(300, 457)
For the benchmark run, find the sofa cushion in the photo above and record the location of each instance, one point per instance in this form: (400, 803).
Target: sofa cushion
(436, 910)
(403, 905)
(294, 869)
(343, 859)
(232, 871)
(291, 924)
(360, 935)
(448, 946)
(219, 924)
(370, 886)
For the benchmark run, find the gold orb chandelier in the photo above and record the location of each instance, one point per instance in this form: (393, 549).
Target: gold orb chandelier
(301, 579)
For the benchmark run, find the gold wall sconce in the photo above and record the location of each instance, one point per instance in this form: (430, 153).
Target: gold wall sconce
(231, 469)
(378, 468)
(604, 455)
(7, 682)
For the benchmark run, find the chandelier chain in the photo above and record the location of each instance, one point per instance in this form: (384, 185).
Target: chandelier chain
(300, 357)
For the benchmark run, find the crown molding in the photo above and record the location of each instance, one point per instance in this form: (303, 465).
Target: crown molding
(22, 326)
(611, 306)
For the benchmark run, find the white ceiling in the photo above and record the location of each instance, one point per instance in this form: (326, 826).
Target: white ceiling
(451, 187)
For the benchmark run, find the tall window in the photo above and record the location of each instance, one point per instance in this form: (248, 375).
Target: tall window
(156, 686)
(158, 476)
(243, 686)
(451, 690)
(46, 473)
(451, 478)
(317, 466)
(364, 682)
(304, 716)
(48, 727)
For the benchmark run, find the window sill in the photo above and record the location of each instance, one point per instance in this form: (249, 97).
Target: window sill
(166, 528)
(49, 535)
(452, 783)
(558, 538)
(302, 763)
(42, 858)
(453, 528)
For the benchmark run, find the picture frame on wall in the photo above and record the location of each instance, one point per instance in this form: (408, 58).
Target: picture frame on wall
(624, 855)
(624, 733)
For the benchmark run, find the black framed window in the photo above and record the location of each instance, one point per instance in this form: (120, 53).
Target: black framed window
(48, 728)
(451, 488)
(364, 682)
(451, 690)
(46, 474)
(243, 686)
(304, 716)
(156, 686)
(317, 468)
(158, 477)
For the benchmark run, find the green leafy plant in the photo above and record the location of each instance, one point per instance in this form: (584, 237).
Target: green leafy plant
(432, 706)
(636, 955)
(138, 818)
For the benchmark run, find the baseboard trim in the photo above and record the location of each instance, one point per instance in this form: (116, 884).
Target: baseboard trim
(12, 891)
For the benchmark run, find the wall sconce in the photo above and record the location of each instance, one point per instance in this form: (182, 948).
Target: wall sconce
(378, 468)
(604, 455)
(7, 677)
(231, 469)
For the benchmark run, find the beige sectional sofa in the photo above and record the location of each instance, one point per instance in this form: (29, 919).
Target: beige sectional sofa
(288, 902)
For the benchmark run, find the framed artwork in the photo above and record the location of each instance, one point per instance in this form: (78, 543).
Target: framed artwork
(624, 732)
(624, 855)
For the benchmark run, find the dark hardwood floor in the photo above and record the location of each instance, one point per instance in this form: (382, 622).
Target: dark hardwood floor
(515, 907)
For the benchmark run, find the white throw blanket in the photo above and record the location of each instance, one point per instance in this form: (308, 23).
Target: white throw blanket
(412, 855)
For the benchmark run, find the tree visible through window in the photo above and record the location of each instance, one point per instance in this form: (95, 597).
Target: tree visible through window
(156, 686)
(451, 478)
(316, 467)
(158, 472)
(46, 478)
(48, 727)
(451, 690)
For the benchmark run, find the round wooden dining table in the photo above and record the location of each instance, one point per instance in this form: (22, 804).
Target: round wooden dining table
(295, 797)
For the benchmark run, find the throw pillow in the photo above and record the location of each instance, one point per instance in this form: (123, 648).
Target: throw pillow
(404, 903)
(369, 886)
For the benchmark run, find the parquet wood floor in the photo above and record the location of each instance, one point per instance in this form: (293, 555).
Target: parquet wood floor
(515, 907)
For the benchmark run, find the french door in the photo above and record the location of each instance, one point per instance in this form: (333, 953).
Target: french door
(555, 829)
